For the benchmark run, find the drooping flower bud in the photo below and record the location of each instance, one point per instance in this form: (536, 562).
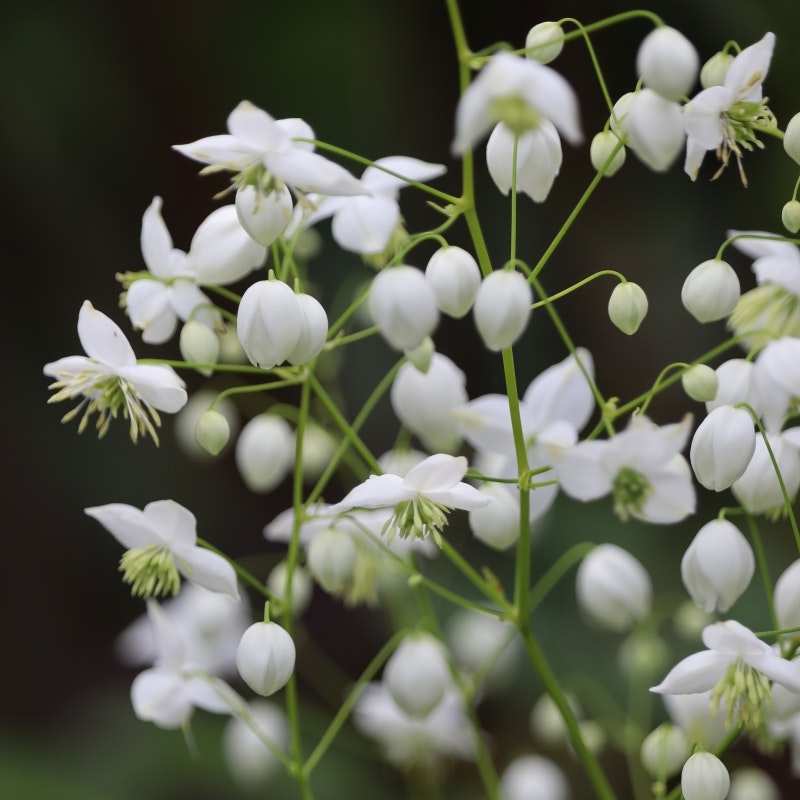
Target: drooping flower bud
(715, 69)
(302, 586)
(790, 216)
(251, 763)
(722, 447)
(186, 422)
(265, 657)
(711, 290)
(533, 778)
(264, 452)
(502, 308)
(654, 126)
(752, 783)
(667, 62)
(664, 750)
(496, 525)
(313, 330)
(758, 490)
(787, 597)
(613, 588)
(331, 558)
(544, 42)
(422, 355)
(403, 306)
(212, 431)
(417, 675)
(791, 138)
(704, 777)
(717, 566)
(269, 323)
(700, 382)
(602, 146)
(627, 306)
(199, 344)
(264, 216)
(454, 276)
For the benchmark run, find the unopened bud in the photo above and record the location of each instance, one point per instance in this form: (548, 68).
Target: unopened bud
(715, 69)
(711, 290)
(199, 344)
(791, 138)
(627, 306)
(544, 42)
(212, 431)
(603, 145)
(790, 216)
(700, 382)
(664, 751)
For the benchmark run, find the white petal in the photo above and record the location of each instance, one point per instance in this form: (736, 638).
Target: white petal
(365, 224)
(462, 495)
(175, 525)
(378, 181)
(209, 570)
(158, 696)
(786, 673)
(733, 638)
(436, 473)
(125, 523)
(156, 241)
(149, 309)
(485, 423)
(701, 116)
(748, 70)
(159, 386)
(296, 128)
(102, 338)
(312, 172)
(378, 491)
(254, 127)
(581, 473)
(225, 150)
(698, 672)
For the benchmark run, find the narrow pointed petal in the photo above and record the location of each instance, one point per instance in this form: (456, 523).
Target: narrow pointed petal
(176, 525)
(378, 491)
(462, 495)
(156, 241)
(158, 385)
(786, 673)
(209, 570)
(365, 224)
(149, 310)
(748, 70)
(436, 473)
(125, 523)
(223, 149)
(312, 172)
(102, 338)
(254, 127)
(698, 672)
(380, 182)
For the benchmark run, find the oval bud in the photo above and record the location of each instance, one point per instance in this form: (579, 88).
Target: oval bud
(200, 345)
(496, 525)
(302, 586)
(711, 290)
(627, 307)
(704, 777)
(212, 431)
(700, 382)
(667, 62)
(265, 657)
(331, 558)
(787, 597)
(544, 42)
(417, 675)
(791, 138)
(790, 216)
(502, 308)
(722, 447)
(454, 276)
(264, 216)
(533, 778)
(603, 145)
(268, 323)
(264, 452)
(313, 330)
(715, 69)
(664, 750)
(752, 783)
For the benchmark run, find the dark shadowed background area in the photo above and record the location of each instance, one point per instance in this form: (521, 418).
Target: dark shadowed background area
(93, 95)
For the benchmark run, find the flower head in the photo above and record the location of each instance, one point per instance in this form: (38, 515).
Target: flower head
(161, 545)
(421, 499)
(109, 380)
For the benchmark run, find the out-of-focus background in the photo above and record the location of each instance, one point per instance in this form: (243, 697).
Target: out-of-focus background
(93, 95)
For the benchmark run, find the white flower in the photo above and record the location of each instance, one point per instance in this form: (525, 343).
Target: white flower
(365, 224)
(667, 62)
(641, 466)
(704, 777)
(109, 380)
(711, 290)
(520, 93)
(613, 588)
(502, 308)
(722, 447)
(157, 299)
(737, 666)
(262, 150)
(417, 675)
(265, 657)
(717, 566)
(420, 499)
(264, 216)
(533, 778)
(160, 543)
(454, 276)
(726, 118)
(167, 693)
(538, 159)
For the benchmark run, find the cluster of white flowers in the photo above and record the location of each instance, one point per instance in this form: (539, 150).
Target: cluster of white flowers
(502, 457)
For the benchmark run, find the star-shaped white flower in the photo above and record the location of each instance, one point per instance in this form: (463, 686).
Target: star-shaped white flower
(256, 144)
(420, 499)
(364, 224)
(161, 543)
(109, 380)
(725, 118)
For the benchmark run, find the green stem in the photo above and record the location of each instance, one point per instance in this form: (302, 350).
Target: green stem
(763, 567)
(565, 562)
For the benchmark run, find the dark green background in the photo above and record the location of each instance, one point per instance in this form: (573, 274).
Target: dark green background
(93, 95)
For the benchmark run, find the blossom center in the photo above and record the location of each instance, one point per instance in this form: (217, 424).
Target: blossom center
(150, 570)
(418, 518)
(763, 312)
(515, 114)
(740, 123)
(743, 691)
(630, 489)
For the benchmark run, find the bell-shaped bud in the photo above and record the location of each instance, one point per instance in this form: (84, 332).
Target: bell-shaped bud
(717, 566)
(791, 138)
(759, 490)
(713, 72)
(403, 306)
(667, 62)
(711, 290)
(534, 778)
(544, 42)
(484, 645)
(790, 216)
(502, 308)
(602, 146)
(454, 276)
(422, 355)
(664, 751)
(613, 588)
(700, 382)
(752, 783)
(654, 126)
(722, 447)
(704, 777)
(269, 323)
(546, 723)
(264, 452)
(331, 556)
(222, 251)
(199, 344)
(318, 449)
(787, 597)
(187, 418)
(264, 216)
(265, 657)
(230, 348)
(313, 330)
(302, 586)
(627, 306)
(497, 524)
(424, 402)
(212, 431)
(250, 761)
(417, 675)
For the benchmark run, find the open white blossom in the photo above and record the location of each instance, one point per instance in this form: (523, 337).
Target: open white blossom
(161, 545)
(109, 381)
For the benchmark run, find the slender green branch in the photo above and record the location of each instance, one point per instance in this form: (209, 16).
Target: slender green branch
(565, 562)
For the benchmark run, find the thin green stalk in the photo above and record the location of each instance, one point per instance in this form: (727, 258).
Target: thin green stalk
(484, 587)
(563, 564)
(244, 574)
